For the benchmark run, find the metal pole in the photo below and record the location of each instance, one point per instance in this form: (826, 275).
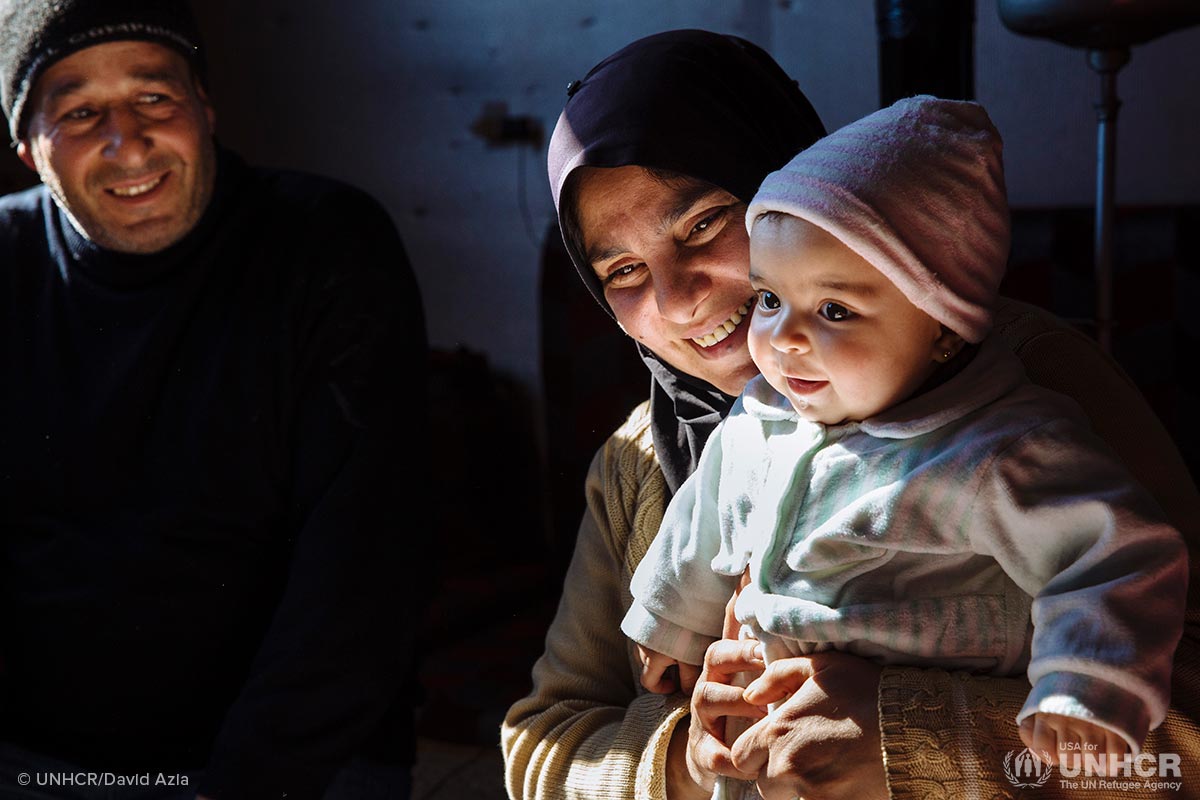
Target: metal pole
(1107, 63)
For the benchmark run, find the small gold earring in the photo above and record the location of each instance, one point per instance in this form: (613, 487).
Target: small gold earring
(946, 355)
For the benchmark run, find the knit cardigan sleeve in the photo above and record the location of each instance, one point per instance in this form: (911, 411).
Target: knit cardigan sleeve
(946, 735)
(586, 730)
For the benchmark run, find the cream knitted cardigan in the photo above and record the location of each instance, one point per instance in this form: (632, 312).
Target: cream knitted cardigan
(588, 731)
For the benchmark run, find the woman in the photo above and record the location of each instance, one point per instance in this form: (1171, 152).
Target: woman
(651, 163)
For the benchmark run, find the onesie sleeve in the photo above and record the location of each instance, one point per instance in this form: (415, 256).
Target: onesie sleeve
(1107, 575)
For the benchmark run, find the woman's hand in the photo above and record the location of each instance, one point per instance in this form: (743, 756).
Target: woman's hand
(713, 700)
(822, 742)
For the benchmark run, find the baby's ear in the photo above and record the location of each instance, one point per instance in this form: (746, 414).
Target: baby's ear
(947, 345)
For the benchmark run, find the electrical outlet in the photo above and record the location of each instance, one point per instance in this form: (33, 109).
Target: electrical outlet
(499, 128)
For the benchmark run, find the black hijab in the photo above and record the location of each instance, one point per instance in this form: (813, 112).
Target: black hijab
(706, 105)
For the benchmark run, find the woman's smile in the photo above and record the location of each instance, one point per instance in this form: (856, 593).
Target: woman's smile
(726, 328)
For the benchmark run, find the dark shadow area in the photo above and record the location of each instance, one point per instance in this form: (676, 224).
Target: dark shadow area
(487, 581)
(1156, 286)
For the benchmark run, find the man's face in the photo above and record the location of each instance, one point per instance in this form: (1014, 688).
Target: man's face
(122, 136)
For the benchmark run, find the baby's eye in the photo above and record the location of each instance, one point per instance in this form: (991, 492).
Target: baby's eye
(835, 312)
(768, 300)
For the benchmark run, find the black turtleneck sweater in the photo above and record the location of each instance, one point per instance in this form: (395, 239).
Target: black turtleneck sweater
(210, 465)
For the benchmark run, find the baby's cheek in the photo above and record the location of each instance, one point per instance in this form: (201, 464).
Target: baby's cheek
(858, 378)
(769, 369)
(758, 338)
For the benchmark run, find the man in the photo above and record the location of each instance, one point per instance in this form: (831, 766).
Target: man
(210, 428)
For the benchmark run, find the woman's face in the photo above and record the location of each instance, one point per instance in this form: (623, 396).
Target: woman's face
(673, 257)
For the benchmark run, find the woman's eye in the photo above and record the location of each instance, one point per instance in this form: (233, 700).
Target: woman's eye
(768, 300)
(706, 223)
(78, 113)
(835, 312)
(152, 97)
(622, 275)
(709, 222)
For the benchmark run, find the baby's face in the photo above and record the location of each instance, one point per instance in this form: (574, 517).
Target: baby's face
(830, 332)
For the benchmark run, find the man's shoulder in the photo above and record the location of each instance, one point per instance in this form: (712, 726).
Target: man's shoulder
(321, 224)
(322, 231)
(306, 196)
(22, 222)
(24, 207)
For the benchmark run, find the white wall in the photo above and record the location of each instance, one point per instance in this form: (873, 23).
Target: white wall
(382, 93)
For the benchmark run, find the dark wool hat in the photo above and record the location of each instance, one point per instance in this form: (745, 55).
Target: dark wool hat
(36, 33)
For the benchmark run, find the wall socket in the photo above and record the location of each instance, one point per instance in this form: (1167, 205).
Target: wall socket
(498, 128)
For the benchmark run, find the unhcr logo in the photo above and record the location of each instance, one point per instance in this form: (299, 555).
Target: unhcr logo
(1025, 770)
(1144, 772)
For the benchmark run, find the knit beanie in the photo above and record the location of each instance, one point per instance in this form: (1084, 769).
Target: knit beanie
(916, 189)
(34, 34)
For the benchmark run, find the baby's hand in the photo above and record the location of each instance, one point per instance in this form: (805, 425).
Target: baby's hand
(658, 677)
(1065, 739)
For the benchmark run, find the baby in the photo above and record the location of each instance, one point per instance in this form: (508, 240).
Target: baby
(894, 484)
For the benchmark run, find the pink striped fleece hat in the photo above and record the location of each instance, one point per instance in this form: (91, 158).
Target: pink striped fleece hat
(916, 189)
